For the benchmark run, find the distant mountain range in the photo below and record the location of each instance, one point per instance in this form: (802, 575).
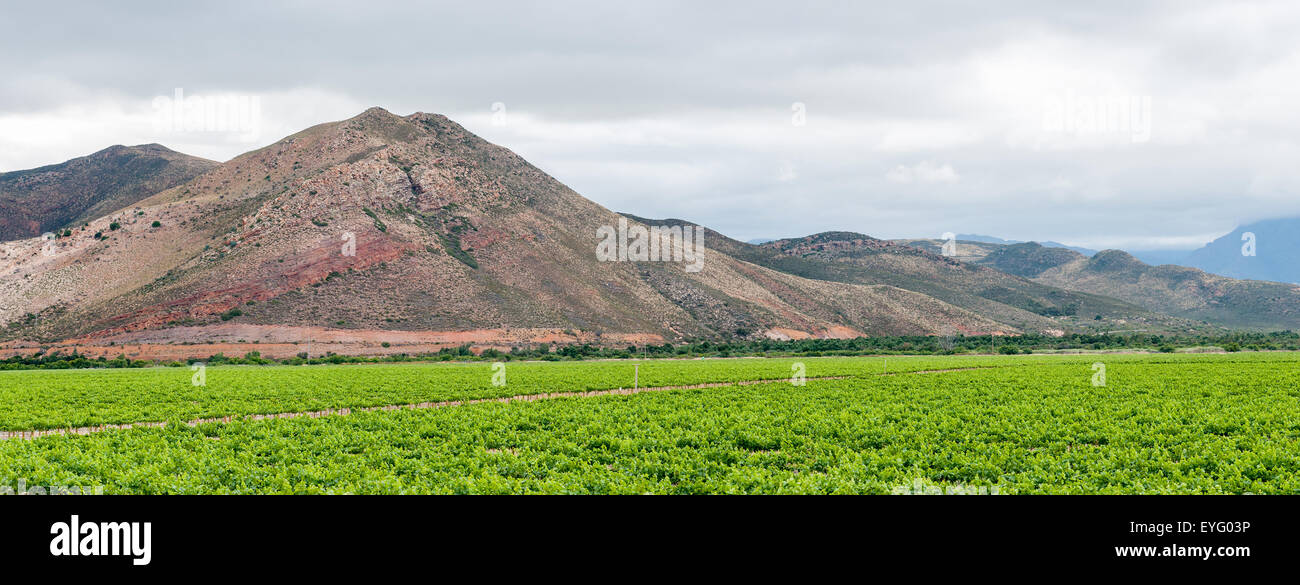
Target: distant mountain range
(1048, 244)
(1173, 290)
(1276, 257)
(1276, 252)
(384, 225)
(861, 259)
(1176, 291)
(1153, 257)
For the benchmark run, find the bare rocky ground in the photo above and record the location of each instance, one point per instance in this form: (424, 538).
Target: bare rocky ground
(68, 194)
(450, 234)
(280, 342)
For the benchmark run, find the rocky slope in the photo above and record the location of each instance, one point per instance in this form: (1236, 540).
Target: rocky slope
(54, 197)
(1174, 290)
(383, 222)
(1007, 298)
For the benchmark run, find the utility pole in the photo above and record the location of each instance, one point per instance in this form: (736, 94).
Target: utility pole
(636, 376)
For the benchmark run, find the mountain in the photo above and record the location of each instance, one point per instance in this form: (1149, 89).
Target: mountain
(53, 197)
(1158, 257)
(976, 247)
(1173, 290)
(860, 259)
(1028, 260)
(447, 232)
(1276, 259)
(996, 240)
(965, 250)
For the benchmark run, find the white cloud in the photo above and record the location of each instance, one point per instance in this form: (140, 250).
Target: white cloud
(36, 138)
(923, 172)
(672, 108)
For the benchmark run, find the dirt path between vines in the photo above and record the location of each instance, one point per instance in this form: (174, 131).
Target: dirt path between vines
(4, 435)
(940, 371)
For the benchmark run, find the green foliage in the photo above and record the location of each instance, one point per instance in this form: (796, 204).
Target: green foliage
(1164, 424)
(893, 345)
(451, 243)
(84, 397)
(379, 225)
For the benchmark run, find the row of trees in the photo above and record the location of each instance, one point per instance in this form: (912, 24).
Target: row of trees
(914, 344)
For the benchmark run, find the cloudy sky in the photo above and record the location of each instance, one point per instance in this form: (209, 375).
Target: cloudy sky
(1128, 124)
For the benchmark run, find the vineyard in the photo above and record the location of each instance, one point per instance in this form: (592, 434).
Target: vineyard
(1006, 424)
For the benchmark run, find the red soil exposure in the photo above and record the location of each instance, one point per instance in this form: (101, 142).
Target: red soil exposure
(279, 342)
(314, 266)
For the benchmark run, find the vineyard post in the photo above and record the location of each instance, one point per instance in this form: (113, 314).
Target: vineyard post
(636, 376)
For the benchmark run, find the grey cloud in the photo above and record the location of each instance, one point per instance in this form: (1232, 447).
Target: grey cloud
(886, 85)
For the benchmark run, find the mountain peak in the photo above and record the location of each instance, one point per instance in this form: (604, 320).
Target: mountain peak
(1264, 250)
(76, 191)
(1028, 259)
(375, 118)
(829, 237)
(376, 111)
(1114, 260)
(151, 148)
